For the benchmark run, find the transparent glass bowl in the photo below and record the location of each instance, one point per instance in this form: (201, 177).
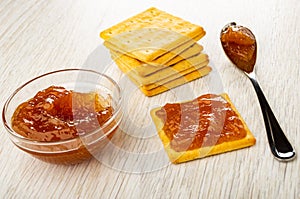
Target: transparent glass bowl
(74, 150)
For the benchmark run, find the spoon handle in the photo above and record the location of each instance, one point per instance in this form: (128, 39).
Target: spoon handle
(279, 144)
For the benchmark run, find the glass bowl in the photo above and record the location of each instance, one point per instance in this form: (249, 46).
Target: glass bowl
(79, 148)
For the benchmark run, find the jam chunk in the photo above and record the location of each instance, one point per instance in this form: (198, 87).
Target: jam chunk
(239, 45)
(56, 114)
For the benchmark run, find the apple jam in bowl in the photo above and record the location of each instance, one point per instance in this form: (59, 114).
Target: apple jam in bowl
(64, 116)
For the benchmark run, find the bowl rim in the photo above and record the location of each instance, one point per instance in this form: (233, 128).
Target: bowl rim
(24, 139)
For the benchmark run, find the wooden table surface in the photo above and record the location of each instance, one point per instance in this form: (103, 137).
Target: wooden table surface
(41, 36)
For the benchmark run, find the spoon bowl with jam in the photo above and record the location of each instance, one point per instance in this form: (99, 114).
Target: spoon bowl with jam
(240, 46)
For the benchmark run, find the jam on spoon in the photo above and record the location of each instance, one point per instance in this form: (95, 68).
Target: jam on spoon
(240, 46)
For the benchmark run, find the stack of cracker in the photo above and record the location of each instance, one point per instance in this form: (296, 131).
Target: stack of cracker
(157, 51)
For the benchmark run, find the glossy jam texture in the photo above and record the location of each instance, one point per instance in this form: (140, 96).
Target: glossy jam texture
(239, 45)
(56, 114)
(206, 121)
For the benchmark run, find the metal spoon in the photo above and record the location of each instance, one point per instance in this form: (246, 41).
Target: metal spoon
(241, 49)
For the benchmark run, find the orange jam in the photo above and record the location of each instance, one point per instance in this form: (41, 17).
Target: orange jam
(205, 121)
(240, 46)
(58, 114)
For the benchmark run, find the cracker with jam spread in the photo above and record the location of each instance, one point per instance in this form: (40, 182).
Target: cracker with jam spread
(207, 125)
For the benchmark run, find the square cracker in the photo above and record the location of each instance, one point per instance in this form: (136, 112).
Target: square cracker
(153, 18)
(169, 81)
(159, 80)
(202, 70)
(179, 157)
(174, 83)
(151, 34)
(197, 61)
(187, 49)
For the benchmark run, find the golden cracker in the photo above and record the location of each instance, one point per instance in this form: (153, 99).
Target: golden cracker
(184, 51)
(203, 70)
(153, 18)
(166, 72)
(165, 57)
(131, 65)
(176, 82)
(150, 34)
